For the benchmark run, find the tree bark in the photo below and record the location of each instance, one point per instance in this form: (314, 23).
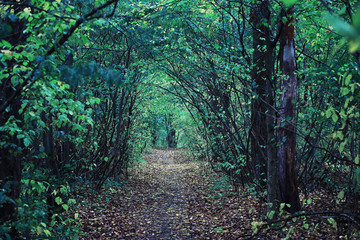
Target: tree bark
(287, 118)
(263, 152)
(170, 132)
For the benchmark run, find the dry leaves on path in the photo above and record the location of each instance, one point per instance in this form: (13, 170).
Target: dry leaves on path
(168, 197)
(171, 197)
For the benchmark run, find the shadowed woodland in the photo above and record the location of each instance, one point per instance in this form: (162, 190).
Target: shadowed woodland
(205, 119)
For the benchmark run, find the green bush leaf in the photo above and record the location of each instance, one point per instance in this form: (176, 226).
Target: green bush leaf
(328, 112)
(347, 80)
(335, 117)
(58, 200)
(332, 222)
(6, 44)
(341, 194)
(289, 3)
(271, 214)
(27, 142)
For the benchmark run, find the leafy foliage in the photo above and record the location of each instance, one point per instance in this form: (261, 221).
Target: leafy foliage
(88, 87)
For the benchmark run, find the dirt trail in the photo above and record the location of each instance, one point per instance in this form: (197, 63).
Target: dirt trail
(168, 197)
(165, 210)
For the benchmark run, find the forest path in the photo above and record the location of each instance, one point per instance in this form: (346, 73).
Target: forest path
(163, 211)
(168, 197)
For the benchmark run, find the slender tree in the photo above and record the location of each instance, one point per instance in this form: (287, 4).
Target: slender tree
(287, 127)
(262, 114)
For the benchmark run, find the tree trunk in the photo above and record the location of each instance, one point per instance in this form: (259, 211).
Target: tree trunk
(263, 152)
(171, 132)
(171, 138)
(287, 118)
(49, 145)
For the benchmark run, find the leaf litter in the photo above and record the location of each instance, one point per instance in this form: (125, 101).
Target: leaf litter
(173, 197)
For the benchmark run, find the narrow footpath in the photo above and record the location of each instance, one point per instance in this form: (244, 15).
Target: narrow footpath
(168, 197)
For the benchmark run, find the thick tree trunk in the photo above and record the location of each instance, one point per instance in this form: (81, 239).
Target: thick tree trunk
(263, 152)
(287, 127)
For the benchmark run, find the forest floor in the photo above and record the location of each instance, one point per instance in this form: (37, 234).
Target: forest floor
(173, 197)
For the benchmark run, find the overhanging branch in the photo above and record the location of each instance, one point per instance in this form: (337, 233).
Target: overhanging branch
(60, 42)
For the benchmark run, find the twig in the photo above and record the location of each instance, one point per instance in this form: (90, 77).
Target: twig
(301, 214)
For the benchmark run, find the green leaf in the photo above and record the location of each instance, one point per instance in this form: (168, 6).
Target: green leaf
(346, 103)
(6, 44)
(63, 189)
(47, 232)
(328, 112)
(357, 159)
(289, 3)
(282, 205)
(271, 214)
(46, 6)
(345, 91)
(335, 117)
(65, 206)
(58, 200)
(20, 136)
(3, 75)
(341, 194)
(347, 80)
(309, 201)
(340, 135)
(14, 81)
(27, 142)
(342, 146)
(219, 230)
(332, 222)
